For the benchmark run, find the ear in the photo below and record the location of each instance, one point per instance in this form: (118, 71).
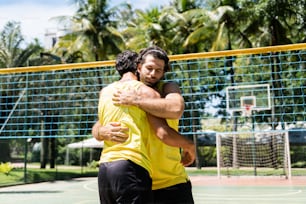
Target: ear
(138, 67)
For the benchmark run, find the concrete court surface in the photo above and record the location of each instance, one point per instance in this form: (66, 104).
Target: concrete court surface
(206, 190)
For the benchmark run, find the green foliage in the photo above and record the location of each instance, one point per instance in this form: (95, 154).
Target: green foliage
(93, 34)
(6, 168)
(12, 53)
(35, 175)
(93, 164)
(300, 164)
(207, 156)
(297, 154)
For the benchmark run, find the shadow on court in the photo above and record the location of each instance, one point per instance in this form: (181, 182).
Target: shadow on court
(206, 190)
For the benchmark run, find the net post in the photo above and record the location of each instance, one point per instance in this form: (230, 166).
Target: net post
(218, 145)
(287, 155)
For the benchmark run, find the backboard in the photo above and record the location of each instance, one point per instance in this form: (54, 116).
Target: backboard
(255, 96)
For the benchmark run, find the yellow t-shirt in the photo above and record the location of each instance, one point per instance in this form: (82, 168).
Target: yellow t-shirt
(135, 148)
(167, 169)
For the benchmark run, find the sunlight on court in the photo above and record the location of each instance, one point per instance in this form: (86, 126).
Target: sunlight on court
(249, 195)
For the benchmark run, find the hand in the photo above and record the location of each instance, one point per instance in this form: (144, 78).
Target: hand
(128, 97)
(188, 155)
(114, 132)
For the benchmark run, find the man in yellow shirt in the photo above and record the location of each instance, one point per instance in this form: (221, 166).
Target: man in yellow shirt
(170, 181)
(125, 166)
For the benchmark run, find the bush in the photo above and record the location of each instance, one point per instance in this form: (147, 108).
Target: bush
(6, 168)
(93, 164)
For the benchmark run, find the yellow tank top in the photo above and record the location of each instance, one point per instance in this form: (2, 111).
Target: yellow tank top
(167, 169)
(135, 148)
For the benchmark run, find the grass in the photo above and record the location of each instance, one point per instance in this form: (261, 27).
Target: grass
(244, 172)
(35, 174)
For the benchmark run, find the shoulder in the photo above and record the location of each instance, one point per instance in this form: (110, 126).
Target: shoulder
(148, 92)
(170, 87)
(107, 88)
(101, 92)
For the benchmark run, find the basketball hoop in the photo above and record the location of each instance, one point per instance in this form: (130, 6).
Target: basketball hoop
(247, 112)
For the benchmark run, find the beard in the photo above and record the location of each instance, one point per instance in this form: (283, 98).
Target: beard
(151, 84)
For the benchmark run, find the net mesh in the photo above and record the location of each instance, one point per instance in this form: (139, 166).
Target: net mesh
(46, 102)
(52, 104)
(266, 153)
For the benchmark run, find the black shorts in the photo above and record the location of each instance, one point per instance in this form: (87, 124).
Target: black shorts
(124, 182)
(180, 193)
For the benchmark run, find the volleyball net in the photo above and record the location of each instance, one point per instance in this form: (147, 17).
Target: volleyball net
(61, 100)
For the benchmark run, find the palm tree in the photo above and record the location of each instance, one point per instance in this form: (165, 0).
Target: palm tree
(146, 29)
(165, 27)
(12, 54)
(192, 27)
(276, 23)
(93, 30)
(279, 22)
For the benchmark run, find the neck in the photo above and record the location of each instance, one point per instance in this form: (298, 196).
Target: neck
(128, 76)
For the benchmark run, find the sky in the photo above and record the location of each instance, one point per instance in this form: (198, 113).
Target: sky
(34, 15)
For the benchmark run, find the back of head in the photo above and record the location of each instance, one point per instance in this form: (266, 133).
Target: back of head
(157, 53)
(126, 62)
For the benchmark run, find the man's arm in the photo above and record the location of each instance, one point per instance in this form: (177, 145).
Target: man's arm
(112, 131)
(172, 138)
(115, 132)
(161, 128)
(171, 106)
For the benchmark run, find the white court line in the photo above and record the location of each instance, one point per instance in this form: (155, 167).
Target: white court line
(87, 202)
(270, 200)
(87, 187)
(245, 196)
